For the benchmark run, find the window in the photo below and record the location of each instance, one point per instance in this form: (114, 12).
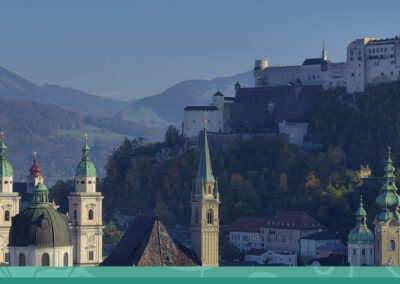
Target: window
(89, 182)
(370, 251)
(82, 182)
(22, 259)
(90, 214)
(66, 259)
(75, 215)
(7, 257)
(354, 252)
(6, 182)
(7, 215)
(77, 182)
(196, 216)
(209, 189)
(210, 217)
(363, 252)
(45, 259)
(392, 245)
(91, 255)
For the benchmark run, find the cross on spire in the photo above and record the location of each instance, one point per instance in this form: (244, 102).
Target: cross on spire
(86, 137)
(389, 151)
(2, 135)
(34, 155)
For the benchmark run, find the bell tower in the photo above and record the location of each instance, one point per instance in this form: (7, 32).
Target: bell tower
(205, 210)
(387, 226)
(9, 201)
(85, 214)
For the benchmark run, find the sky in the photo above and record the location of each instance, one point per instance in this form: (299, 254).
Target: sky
(132, 49)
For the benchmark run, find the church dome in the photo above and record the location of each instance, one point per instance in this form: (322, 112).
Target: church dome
(6, 169)
(85, 167)
(360, 234)
(40, 225)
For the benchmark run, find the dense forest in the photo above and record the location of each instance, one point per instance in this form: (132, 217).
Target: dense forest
(260, 176)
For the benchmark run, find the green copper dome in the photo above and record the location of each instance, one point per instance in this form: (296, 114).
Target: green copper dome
(85, 167)
(388, 200)
(360, 234)
(204, 171)
(40, 225)
(6, 169)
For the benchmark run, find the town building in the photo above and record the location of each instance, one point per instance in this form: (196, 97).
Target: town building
(245, 233)
(85, 214)
(9, 201)
(310, 244)
(387, 226)
(270, 257)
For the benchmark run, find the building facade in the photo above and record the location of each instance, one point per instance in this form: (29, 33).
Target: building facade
(9, 201)
(85, 214)
(205, 211)
(309, 244)
(245, 233)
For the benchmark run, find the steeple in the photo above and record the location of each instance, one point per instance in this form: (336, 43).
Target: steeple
(324, 53)
(6, 169)
(204, 171)
(360, 234)
(388, 199)
(35, 170)
(85, 168)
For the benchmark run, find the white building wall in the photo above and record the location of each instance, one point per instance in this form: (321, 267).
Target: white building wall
(246, 241)
(194, 121)
(359, 254)
(294, 131)
(33, 255)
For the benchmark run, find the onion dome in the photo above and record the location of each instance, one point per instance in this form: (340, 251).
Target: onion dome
(85, 167)
(388, 200)
(204, 171)
(40, 225)
(6, 169)
(35, 170)
(360, 234)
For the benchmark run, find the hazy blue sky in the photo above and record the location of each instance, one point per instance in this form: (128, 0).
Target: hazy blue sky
(132, 49)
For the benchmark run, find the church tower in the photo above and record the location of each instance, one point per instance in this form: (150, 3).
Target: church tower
(324, 53)
(35, 176)
(85, 213)
(387, 235)
(205, 207)
(361, 241)
(9, 201)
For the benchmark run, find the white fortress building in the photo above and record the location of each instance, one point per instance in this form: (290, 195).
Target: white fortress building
(370, 61)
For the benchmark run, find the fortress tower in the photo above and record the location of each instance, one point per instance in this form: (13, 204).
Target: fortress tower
(85, 213)
(205, 211)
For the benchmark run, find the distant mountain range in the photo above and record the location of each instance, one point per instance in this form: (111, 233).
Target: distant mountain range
(52, 119)
(167, 107)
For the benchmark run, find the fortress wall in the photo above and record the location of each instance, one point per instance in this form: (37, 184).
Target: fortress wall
(283, 76)
(334, 76)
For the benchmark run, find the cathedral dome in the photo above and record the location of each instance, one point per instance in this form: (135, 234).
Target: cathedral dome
(6, 169)
(85, 167)
(40, 225)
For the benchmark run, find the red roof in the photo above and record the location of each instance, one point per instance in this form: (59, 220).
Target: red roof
(35, 169)
(295, 220)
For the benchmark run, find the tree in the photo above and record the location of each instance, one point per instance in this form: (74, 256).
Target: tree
(111, 234)
(230, 252)
(283, 182)
(172, 136)
(59, 193)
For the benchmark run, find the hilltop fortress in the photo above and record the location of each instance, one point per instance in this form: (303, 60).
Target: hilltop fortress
(282, 95)
(370, 61)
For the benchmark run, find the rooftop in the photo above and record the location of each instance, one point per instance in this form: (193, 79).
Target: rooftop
(206, 108)
(323, 235)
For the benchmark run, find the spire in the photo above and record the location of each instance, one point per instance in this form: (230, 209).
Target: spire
(85, 168)
(324, 53)
(204, 171)
(35, 170)
(388, 199)
(6, 169)
(360, 233)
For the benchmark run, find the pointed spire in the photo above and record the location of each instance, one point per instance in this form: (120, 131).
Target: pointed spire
(324, 53)
(86, 167)
(204, 171)
(3, 147)
(6, 169)
(35, 170)
(388, 199)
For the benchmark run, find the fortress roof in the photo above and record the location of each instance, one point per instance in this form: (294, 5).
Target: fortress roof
(206, 108)
(315, 61)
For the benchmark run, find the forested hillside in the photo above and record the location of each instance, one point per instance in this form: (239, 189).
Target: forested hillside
(260, 176)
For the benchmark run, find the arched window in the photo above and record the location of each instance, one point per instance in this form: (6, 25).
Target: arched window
(210, 217)
(45, 259)
(75, 215)
(66, 259)
(22, 259)
(209, 189)
(392, 245)
(90, 214)
(7, 215)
